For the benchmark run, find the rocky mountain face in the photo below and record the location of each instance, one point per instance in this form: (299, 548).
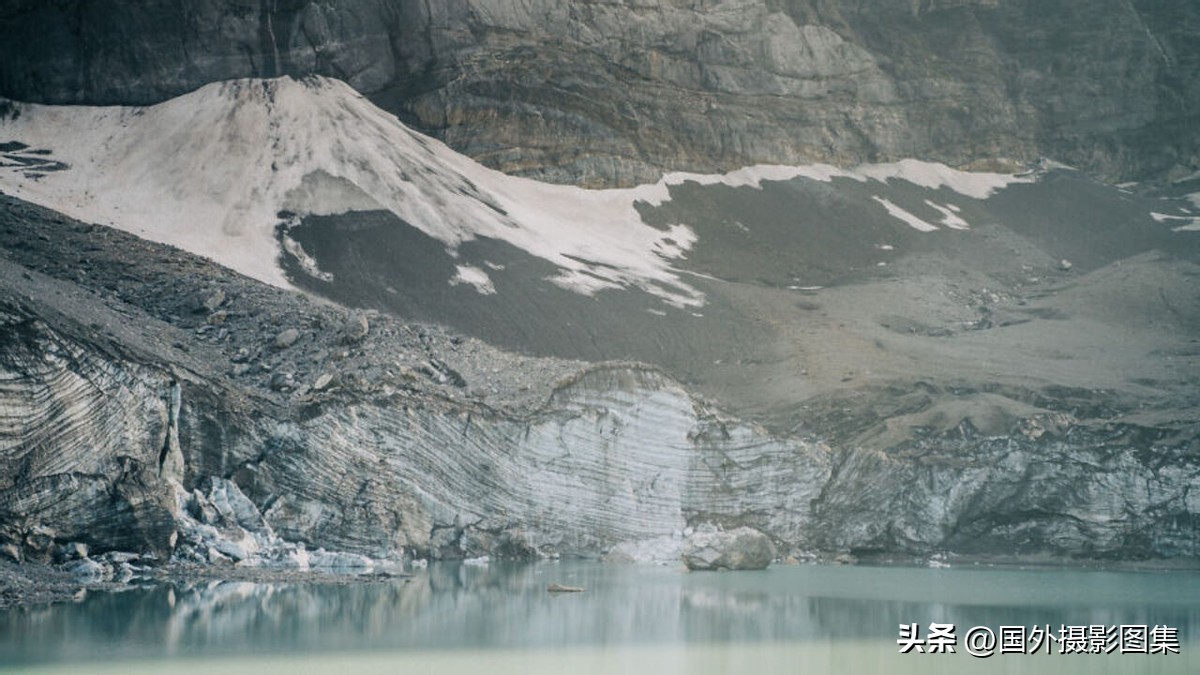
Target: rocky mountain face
(153, 401)
(604, 93)
(899, 360)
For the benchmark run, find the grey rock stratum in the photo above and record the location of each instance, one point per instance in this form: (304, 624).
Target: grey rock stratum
(593, 92)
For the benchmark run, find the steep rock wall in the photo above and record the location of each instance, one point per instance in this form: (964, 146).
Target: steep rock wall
(614, 93)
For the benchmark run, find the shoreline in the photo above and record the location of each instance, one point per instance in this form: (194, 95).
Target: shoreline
(30, 584)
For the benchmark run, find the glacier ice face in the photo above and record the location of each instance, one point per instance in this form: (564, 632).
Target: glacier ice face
(617, 454)
(620, 455)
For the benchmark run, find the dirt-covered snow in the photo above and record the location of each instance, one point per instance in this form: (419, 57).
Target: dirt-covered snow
(211, 172)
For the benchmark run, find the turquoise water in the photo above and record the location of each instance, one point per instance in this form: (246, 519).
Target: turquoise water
(499, 619)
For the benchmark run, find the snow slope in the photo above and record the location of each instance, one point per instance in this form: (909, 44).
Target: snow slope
(211, 171)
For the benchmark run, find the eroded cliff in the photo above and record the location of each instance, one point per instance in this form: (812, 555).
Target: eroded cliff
(377, 437)
(597, 93)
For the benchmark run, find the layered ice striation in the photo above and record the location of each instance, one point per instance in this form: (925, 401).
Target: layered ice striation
(616, 456)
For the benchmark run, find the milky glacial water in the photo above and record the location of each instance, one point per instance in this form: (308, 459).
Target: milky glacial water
(456, 618)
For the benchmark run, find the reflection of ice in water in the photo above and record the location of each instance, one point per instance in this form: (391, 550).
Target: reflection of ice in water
(663, 615)
(210, 605)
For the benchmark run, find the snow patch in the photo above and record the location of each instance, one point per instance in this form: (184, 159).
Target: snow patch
(950, 217)
(1162, 217)
(930, 175)
(1193, 223)
(211, 172)
(1046, 164)
(297, 252)
(902, 215)
(473, 276)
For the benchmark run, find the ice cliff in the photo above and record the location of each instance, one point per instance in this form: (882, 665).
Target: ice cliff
(452, 456)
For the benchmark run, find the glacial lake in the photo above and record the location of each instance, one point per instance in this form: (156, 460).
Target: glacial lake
(456, 618)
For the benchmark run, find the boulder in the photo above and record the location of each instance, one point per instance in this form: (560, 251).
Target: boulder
(281, 381)
(357, 327)
(741, 549)
(287, 338)
(208, 302)
(72, 551)
(39, 541)
(88, 570)
(12, 552)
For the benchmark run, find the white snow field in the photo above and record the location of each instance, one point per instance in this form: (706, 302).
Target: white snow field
(211, 170)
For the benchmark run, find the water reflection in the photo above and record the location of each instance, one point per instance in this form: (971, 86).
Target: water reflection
(463, 607)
